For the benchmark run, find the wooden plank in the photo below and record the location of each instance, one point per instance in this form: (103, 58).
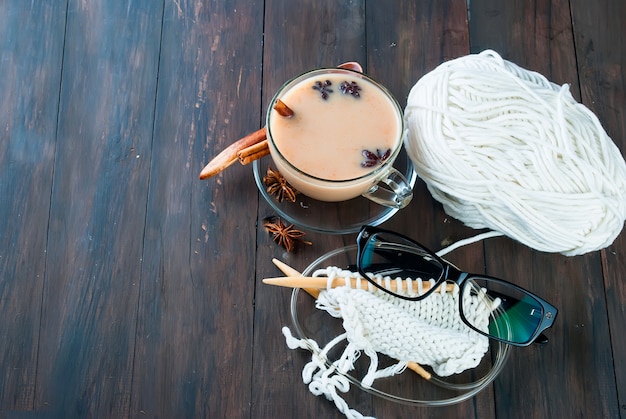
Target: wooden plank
(194, 335)
(614, 265)
(539, 36)
(30, 85)
(408, 39)
(401, 39)
(602, 68)
(577, 353)
(536, 35)
(405, 41)
(99, 196)
(299, 36)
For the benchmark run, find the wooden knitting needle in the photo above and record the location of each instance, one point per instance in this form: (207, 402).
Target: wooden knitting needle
(314, 292)
(322, 282)
(288, 270)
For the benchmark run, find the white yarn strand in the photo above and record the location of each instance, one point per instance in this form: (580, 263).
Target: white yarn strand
(504, 148)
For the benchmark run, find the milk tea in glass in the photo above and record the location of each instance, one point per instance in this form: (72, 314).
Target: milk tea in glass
(345, 132)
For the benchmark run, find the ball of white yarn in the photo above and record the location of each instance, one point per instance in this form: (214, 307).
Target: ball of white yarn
(503, 148)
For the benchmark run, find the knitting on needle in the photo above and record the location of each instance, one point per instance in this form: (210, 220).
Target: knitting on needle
(322, 282)
(314, 292)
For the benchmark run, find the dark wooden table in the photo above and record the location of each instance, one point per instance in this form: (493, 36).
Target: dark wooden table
(129, 288)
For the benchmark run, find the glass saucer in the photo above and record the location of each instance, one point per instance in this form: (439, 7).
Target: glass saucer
(407, 387)
(331, 217)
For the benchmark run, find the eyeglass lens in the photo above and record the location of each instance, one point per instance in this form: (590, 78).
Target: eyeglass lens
(398, 257)
(516, 316)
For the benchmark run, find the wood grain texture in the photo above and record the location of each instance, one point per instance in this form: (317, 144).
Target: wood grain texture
(299, 36)
(97, 215)
(405, 41)
(194, 330)
(539, 36)
(30, 85)
(601, 56)
(129, 288)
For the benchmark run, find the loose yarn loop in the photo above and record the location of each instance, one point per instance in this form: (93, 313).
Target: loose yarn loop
(503, 148)
(429, 332)
(322, 379)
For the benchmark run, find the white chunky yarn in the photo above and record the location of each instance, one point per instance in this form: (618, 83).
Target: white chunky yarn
(429, 332)
(503, 148)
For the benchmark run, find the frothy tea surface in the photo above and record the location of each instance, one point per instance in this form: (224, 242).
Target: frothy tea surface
(342, 126)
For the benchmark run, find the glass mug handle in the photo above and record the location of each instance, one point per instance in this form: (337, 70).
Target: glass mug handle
(392, 190)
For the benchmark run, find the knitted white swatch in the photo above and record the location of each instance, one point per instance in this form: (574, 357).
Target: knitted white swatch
(429, 332)
(502, 147)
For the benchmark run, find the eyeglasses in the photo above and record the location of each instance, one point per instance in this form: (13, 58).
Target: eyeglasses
(519, 319)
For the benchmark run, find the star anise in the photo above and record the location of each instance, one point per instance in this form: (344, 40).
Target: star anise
(323, 88)
(285, 235)
(278, 186)
(350, 88)
(372, 159)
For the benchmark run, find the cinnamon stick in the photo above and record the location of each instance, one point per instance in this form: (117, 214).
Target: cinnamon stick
(229, 155)
(254, 152)
(254, 157)
(283, 109)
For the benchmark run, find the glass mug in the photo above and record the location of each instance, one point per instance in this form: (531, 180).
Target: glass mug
(339, 137)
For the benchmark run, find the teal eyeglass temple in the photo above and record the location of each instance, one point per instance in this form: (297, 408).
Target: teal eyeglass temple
(523, 318)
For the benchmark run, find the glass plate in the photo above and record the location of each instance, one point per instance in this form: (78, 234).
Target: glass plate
(407, 387)
(331, 217)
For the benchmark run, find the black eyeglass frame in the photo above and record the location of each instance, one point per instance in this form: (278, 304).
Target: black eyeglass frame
(452, 273)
